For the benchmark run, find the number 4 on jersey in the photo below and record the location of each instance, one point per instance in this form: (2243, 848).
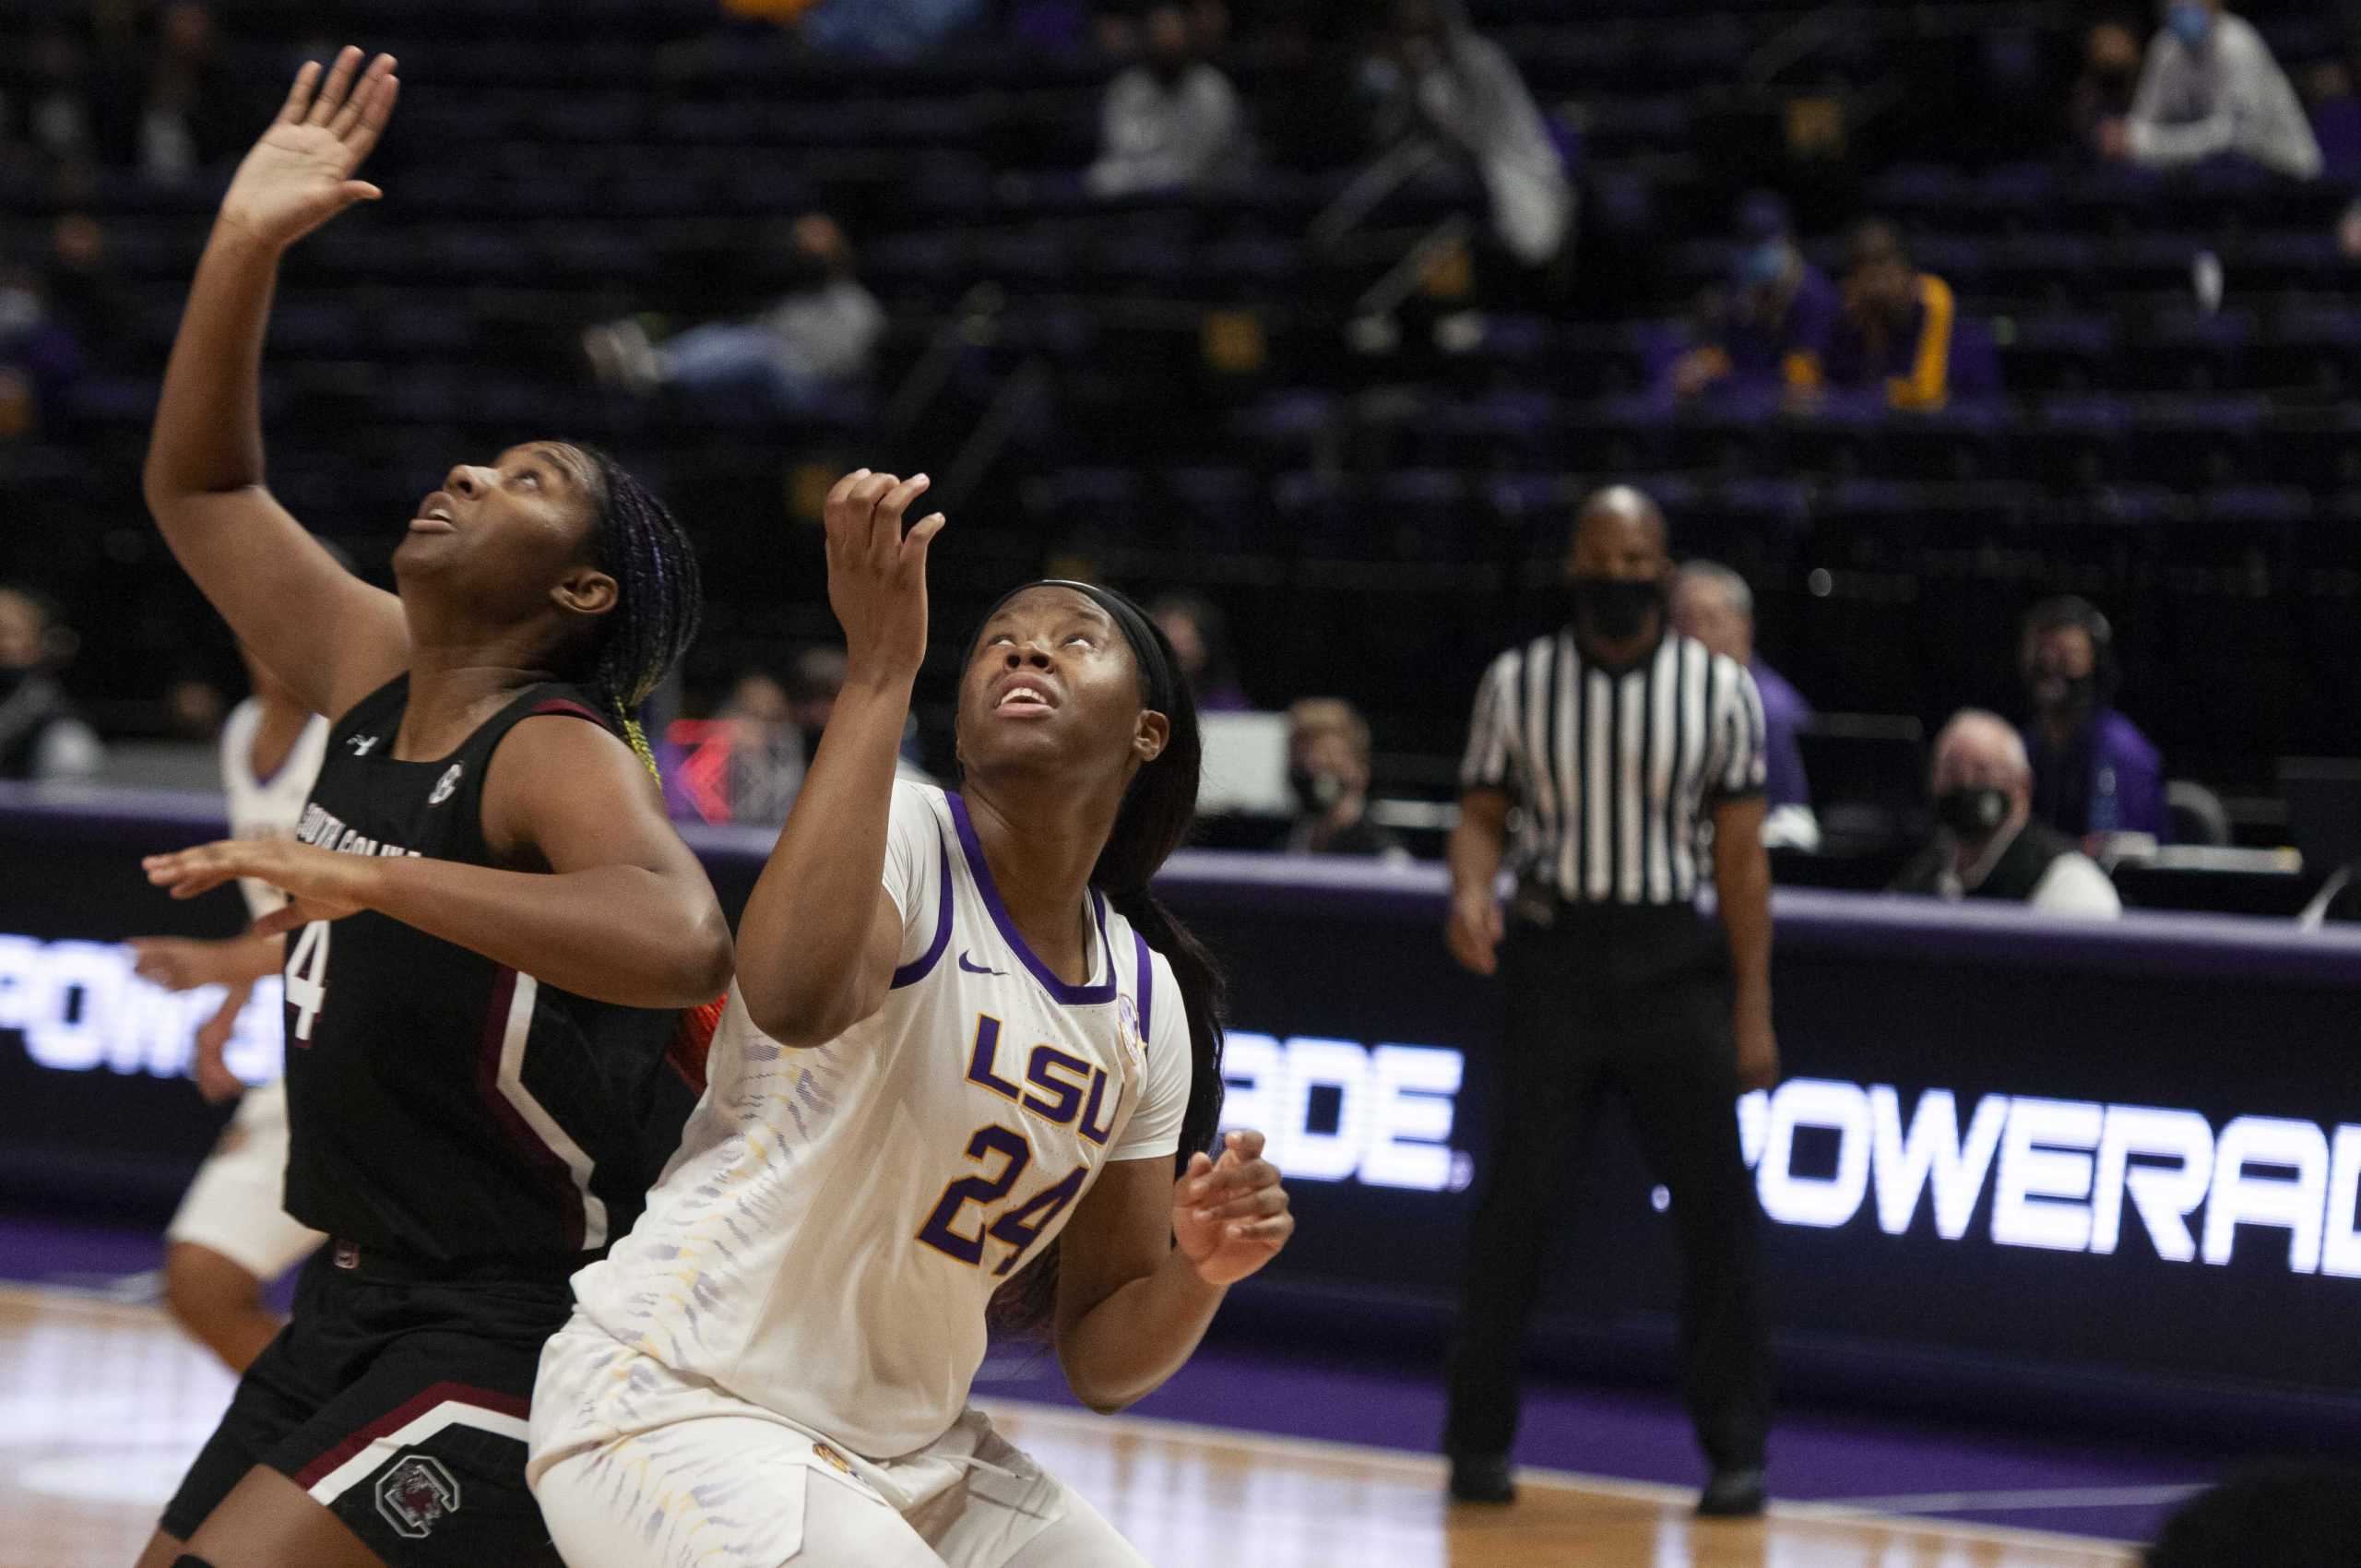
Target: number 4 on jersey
(307, 976)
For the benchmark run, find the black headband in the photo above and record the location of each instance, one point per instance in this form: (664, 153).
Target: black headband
(1157, 680)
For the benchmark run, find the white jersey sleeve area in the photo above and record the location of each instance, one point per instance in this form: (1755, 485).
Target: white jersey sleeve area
(917, 877)
(1154, 1127)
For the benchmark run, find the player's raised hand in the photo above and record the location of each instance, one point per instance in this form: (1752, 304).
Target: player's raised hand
(300, 174)
(1229, 1216)
(877, 573)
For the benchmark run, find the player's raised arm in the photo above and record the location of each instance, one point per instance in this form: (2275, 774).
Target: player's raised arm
(820, 936)
(334, 637)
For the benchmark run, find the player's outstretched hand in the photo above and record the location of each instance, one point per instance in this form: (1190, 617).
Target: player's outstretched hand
(1231, 1216)
(209, 1065)
(178, 963)
(877, 573)
(300, 174)
(320, 885)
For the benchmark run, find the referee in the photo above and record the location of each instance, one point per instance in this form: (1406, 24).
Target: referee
(1616, 743)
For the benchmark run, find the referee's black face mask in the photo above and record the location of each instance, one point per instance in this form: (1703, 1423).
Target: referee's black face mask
(1613, 608)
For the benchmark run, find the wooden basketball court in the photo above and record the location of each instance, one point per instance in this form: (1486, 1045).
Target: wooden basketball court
(101, 1406)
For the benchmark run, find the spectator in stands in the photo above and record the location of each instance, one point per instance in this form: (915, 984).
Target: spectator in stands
(41, 736)
(79, 281)
(2211, 87)
(2336, 118)
(2110, 81)
(1988, 846)
(1713, 604)
(2094, 773)
(186, 117)
(1172, 121)
(813, 347)
(1201, 639)
(57, 115)
(1902, 331)
(1768, 332)
(1328, 768)
(1445, 84)
(814, 678)
(767, 758)
(40, 355)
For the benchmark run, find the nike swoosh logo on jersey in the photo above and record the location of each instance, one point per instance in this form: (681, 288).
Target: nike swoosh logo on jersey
(978, 968)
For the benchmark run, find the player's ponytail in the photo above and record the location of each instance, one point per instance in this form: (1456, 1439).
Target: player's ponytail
(1153, 821)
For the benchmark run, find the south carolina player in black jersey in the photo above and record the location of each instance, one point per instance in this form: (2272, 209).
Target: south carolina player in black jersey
(493, 928)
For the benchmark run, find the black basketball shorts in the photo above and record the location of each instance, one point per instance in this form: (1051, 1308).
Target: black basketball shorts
(400, 1406)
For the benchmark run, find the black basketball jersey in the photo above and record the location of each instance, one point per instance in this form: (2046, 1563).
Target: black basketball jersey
(443, 1107)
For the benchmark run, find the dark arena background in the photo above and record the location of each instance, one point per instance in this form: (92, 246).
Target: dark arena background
(1983, 362)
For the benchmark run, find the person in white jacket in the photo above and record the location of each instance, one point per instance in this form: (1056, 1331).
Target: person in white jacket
(2211, 87)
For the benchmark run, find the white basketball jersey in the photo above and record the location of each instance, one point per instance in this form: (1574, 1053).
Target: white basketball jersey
(266, 808)
(829, 1237)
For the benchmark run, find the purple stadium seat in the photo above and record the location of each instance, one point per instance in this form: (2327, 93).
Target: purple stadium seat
(2256, 505)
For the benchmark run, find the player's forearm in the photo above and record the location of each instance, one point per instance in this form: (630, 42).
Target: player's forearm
(248, 958)
(618, 934)
(208, 436)
(1124, 1348)
(805, 937)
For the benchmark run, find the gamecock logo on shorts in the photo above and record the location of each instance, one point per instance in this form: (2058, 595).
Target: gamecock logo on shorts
(416, 1492)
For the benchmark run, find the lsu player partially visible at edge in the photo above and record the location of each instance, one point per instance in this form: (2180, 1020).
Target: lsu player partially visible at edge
(965, 1055)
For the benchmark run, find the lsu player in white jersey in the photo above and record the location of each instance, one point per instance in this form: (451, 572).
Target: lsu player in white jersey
(231, 1235)
(964, 1058)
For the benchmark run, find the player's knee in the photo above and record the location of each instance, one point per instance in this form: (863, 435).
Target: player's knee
(200, 1284)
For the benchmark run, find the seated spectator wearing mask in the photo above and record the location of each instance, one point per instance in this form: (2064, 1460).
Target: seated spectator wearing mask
(2094, 773)
(1988, 846)
(2212, 87)
(41, 738)
(1170, 121)
(1328, 747)
(1713, 604)
(1769, 332)
(1902, 331)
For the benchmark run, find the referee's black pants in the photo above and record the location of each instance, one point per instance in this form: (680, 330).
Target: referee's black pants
(1636, 1001)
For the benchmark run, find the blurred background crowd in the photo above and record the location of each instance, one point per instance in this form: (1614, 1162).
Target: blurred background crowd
(1993, 363)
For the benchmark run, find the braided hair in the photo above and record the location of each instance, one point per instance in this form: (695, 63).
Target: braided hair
(1153, 821)
(660, 600)
(659, 595)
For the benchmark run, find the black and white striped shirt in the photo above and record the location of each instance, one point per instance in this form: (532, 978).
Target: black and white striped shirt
(1616, 771)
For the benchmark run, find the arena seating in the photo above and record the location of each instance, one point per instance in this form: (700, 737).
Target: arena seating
(1372, 521)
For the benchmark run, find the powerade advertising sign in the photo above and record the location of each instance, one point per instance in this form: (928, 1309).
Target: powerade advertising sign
(1998, 1147)
(78, 1007)
(2013, 1171)
(2059, 1175)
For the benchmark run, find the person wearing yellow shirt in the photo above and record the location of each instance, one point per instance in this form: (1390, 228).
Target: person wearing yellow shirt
(1903, 330)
